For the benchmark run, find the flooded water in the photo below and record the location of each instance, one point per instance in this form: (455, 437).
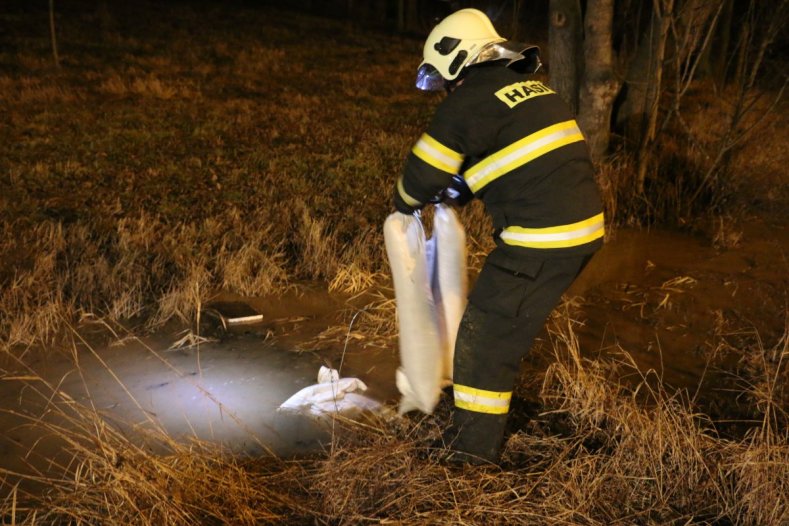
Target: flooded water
(225, 392)
(684, 308)
(670, 300)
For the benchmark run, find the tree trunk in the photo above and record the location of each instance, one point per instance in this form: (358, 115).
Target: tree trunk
(639, 82)
(407, 15)
(412, 15)
(516, 19)
(564, 43)
(720, 62)
(599, 87)
(52, 35)
(743, 53)
(663, 12)
(714, 61)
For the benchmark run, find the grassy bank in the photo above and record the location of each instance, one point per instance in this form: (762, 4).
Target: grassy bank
(183, 150)
(158, 165)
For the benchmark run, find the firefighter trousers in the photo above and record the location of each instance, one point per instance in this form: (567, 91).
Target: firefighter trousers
(506, 311)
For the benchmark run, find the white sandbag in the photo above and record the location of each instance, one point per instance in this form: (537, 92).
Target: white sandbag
(421, 358)
(431, 261)
(331, 394)
(449, 282)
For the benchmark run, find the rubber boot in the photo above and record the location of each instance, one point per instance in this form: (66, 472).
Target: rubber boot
(476, 438)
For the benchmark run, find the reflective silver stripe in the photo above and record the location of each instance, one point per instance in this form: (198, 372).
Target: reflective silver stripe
(482, 401)
(560, 236)
(521, 152)
(436, 154)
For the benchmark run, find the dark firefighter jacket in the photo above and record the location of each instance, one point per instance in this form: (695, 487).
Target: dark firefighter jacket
(519, 150)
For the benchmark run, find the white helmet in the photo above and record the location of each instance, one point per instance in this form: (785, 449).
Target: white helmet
(464, 38)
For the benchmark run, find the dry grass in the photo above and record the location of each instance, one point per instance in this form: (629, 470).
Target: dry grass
(200, 173)
(147, 87)
(599, 453)
(107, 478)
(203, 173)
(373, 325)
(688, 184)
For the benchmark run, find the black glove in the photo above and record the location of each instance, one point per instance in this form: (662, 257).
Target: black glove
(457, 193)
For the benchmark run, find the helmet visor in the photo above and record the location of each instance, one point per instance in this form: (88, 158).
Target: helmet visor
(522, 58)
(429, 79)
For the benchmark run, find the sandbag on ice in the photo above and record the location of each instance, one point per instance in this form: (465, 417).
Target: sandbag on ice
(449, 281)
(419, 377)
(331, 394)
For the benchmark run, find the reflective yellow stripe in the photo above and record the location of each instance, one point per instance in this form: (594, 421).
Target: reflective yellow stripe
(436, 154)
(481, 401)
(521, 152)
(556, 236)
(410, 201)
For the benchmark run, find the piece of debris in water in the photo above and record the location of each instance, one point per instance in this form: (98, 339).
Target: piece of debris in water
(219, 318)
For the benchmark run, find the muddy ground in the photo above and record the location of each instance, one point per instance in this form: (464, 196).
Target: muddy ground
(679, 306)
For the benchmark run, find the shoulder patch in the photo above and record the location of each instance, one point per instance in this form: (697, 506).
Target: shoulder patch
(514, 94)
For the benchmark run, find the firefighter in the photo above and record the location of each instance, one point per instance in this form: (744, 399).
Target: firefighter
(505, 137)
